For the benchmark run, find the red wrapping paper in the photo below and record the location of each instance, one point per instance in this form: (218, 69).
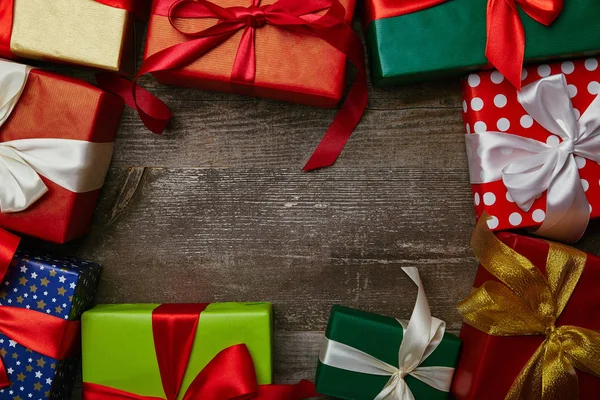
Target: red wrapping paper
(54, 106)
(490, 104)
(488, 365)
(289, 66)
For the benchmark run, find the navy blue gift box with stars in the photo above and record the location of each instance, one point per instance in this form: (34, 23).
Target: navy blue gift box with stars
(59, 286)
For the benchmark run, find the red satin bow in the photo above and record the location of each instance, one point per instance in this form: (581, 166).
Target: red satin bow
(505, 47)
(300, 17)
(42, 333)
(229, 375)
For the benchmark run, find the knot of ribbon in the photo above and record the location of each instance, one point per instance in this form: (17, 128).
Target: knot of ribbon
(422, 335)
(505, 47)
(298, 17)
(45, 334)
(76, 165)
(230, 375)
(528, 167)
(525, 302)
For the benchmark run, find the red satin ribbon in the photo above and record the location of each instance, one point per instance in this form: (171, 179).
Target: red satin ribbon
(230, 375)
(299, 17)
(42, 333)
(379, 9)
(139, 8)
(505, 48)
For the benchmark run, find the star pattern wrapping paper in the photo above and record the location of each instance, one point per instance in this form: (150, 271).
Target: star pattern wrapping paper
(59, 286)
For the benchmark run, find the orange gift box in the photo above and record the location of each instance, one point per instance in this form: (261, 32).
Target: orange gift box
(289, 66)
(58, 107)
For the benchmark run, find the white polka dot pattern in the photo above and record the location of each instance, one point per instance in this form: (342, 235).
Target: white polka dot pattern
(491, 104)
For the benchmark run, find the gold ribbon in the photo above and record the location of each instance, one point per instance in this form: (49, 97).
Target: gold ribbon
(528, 303)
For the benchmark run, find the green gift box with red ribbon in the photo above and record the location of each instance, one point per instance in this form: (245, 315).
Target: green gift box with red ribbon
(419, 40)
(181, 351)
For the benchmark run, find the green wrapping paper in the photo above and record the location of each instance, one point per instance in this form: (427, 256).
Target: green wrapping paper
(380, 337)
(118, 345)
(450, 39)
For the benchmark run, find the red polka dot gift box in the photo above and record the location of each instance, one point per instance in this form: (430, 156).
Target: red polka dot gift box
(534, 154)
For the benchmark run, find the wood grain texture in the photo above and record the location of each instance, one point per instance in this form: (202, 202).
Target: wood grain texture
(218, 210)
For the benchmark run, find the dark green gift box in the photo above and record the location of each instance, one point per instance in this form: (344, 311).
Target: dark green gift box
(450, 39)
(380, 337)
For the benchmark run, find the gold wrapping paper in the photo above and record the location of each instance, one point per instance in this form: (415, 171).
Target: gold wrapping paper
(80, 32)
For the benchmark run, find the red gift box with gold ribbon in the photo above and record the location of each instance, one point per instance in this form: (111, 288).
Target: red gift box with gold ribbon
(56, 143)
(529, 331)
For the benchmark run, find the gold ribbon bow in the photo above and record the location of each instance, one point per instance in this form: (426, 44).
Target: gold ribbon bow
(528, 303)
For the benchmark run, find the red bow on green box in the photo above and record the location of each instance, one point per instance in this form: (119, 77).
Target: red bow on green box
(230, 375)
(505, 48)
(45, 334)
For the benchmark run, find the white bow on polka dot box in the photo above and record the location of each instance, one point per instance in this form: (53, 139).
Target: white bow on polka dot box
(534, 155)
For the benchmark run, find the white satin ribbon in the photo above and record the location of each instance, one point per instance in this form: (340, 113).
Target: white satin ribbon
(528, 167)
(76, 165)
(422, 335)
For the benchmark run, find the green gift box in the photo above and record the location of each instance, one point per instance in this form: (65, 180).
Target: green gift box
(450, 39)
(119, 348)
(380, 337)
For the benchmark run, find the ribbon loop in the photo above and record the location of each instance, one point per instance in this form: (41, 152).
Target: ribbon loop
(422, 335)
(527, 303)
(528, 168)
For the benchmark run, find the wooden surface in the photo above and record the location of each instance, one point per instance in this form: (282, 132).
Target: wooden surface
(218, 209)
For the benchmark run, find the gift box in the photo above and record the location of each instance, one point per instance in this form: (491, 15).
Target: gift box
(92, 33)
(289, 66)
(531, 298)
(56, 142)
(514, 140)
(40, 294)
(124, 345)
(420, 41)
(364, 355)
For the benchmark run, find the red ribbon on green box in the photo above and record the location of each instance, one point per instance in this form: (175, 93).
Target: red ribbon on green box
(45, 334)
(230, 375)
(505, 48)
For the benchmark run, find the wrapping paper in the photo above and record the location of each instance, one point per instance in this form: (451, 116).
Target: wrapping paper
(380, 337)
(490, 104)
(488, 365)
(450, 39)
(58, 286)
(118, 345)
(54, 106)
(290, 67)
(83, 32)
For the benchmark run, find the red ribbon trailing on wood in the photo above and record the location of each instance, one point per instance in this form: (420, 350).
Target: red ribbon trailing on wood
(505, 48)
(139, 8)
(45, 334)
(300, 17)
(228, 376)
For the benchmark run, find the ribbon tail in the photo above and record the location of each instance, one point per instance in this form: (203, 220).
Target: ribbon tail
(354, 106)
(92, 391)
(505, 47)
(153, 112)
(567, 207)
(528, 384)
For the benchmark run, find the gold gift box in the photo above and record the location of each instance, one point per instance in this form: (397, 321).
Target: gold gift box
(82, 32)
